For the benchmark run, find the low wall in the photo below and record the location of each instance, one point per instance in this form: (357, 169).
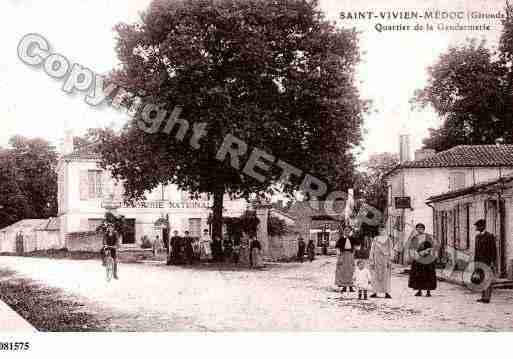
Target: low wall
(32, 241)
(283, 247)
(84, 241)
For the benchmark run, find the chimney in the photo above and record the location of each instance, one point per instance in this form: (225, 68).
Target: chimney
(404, 148)
(424, 153)
(67, 146)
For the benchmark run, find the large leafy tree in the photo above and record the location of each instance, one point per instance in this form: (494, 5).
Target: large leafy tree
(35, 160)
(470, 88)
(28, 182)
(369, 181)
(467, 88)
(13, 204)
(275, 75)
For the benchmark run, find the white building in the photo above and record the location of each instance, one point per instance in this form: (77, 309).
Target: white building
(431, 173)
(84, 189)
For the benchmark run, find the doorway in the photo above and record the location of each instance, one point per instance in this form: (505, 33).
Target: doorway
(129, 231)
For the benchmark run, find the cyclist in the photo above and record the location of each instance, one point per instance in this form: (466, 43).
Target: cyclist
(111, 240)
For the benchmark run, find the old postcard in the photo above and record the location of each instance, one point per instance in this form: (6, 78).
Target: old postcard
(255, 166)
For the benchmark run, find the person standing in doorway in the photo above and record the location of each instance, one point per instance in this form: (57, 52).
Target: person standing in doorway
(345, 261)
(423, 271)
(380, 260)
(485, 253)
(301, 246)
(111, 239)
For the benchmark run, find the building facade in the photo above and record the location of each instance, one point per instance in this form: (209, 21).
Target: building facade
(85, 191)
(455, 213)
(411, 183)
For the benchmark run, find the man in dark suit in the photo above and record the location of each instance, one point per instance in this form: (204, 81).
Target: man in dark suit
(485, 253)
(188, 248)
(175, 250)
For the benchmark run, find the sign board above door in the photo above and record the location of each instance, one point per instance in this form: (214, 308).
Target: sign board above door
(402, 202)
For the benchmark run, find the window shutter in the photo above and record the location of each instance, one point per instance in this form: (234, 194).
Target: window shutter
(84, 185)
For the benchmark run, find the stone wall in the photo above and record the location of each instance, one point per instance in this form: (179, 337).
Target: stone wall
(283, 247)
(84, 241)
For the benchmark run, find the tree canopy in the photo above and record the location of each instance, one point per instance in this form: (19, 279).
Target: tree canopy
(470, 88)
(275, 75)
(28, 180)
(369, 182)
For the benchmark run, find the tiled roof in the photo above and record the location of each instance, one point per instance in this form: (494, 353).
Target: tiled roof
(471, 189)
(314, 208)
(25, 225)
(82, 154)
(466, 156)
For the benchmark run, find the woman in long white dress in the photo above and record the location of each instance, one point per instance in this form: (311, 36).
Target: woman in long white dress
(256, 255)
(206, 251)
(380, 260)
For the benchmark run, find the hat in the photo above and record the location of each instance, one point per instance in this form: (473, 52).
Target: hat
(420, 225)
(480, 223)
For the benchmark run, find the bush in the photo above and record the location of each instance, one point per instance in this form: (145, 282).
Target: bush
(146, 243)
(275, 226)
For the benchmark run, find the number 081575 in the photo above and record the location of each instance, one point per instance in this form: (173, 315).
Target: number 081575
(14, 346)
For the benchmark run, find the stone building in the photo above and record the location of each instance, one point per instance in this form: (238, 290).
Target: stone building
(85, 191)
(411, 183)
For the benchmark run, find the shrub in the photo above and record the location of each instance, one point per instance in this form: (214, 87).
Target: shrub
(275, 226)
(146, 243)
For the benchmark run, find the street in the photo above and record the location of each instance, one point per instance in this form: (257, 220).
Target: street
(284, 296)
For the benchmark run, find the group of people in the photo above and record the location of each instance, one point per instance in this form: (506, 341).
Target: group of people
(374, 273)
(189, 250)
(304, 248)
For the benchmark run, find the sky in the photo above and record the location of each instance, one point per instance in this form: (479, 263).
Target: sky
(393, 63)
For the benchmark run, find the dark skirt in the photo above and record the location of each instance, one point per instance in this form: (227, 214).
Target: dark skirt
(422, 276)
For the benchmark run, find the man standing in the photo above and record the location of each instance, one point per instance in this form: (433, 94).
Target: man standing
(111, 240)
(301, 245)
(174, 257)
(189, 249)
(486, 253)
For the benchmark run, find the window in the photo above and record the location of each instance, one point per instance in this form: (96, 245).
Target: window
(94, 179)
(457, 180)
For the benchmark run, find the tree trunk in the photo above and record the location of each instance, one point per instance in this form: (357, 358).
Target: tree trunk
(217, 220)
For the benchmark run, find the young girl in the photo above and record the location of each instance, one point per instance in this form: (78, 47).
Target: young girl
(362, 279)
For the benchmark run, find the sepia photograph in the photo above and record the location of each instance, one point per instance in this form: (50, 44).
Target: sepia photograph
(267, 167)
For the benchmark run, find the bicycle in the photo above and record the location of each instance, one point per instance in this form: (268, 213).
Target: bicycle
(108, 262)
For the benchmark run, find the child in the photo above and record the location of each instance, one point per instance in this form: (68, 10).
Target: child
(362, 279)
